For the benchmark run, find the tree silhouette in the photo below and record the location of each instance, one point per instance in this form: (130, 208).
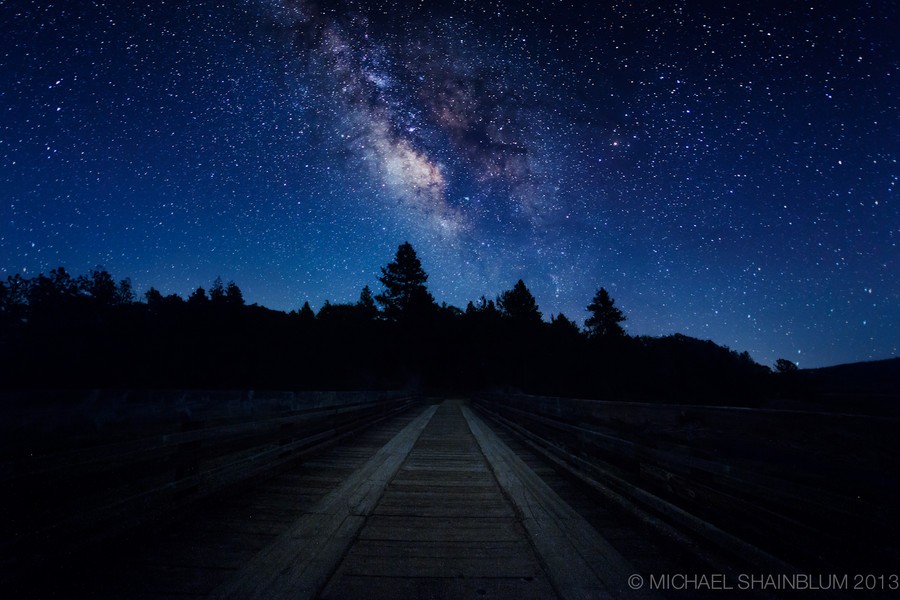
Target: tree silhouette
(5, 300)
(366, 304)
(100, 286)
(324, 309)
(88, 331)
(783, 365)
(405, 294)
(217, 291)
(233, 295)
(198, 297)
(563, 325)
(125, 292)
(64, 284)
(16, 291)
(153, 297)
(13, 299)
(449, 310)
(605, 317)
(47, 297)
(339, 313)
(306, 313)
(485, 307)
(519, 304)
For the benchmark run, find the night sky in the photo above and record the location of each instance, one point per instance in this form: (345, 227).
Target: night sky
(727, 170)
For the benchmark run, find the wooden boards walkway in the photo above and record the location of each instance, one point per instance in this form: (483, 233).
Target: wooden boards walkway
(579, 561)
(194, 554)
(299, 562)
(428, 505)
(443, 529)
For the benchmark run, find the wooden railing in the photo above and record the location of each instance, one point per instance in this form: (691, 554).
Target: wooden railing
(778, 488)
(78, 468)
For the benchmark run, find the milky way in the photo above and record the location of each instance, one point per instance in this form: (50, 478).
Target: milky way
(728, 173)
(419, 105)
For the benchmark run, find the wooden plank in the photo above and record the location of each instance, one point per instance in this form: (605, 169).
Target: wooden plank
(579, 561)
(447, 486)
(298, 564)
(441, 588)
(433, 478)
(443, 525)
(448, 529)
(428, 510)
(402, 549)
(449, 494)
(519, 565)
(442, 495)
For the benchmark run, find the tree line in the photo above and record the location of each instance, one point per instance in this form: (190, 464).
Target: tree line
(62, 331)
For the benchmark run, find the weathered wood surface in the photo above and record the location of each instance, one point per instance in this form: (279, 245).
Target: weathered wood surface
(430, 502)
(443, 529)
(230, 526)
(581, 563)
(410, 508)
(299, 562)
(123, 460)
(823, 487)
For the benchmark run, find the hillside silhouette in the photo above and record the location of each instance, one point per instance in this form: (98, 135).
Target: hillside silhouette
(90, 331)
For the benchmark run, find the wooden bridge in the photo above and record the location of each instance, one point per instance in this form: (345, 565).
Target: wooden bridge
(388, 496)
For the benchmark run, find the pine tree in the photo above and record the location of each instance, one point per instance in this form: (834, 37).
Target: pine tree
(198, 297)
(366, 304)
(519, 304)
(233, 295)
(306, 313)
(405, 294)
(217, 291)
(605, 317)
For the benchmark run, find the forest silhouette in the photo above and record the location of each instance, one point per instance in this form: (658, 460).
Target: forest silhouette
(60, 331)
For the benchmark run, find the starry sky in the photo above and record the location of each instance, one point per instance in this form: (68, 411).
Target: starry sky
(727, 170)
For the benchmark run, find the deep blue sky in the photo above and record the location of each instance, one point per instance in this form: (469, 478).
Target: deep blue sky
(728, 173)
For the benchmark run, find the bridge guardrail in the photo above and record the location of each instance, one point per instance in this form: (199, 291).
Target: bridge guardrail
(78, 468)
(765, 483)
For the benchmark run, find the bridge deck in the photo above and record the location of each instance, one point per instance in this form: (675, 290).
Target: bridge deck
(443, 528)
(429, 504)
(332, 496)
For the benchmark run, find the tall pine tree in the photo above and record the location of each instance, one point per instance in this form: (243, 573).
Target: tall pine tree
(405, 294)
(605, 316)
(519, 304)
(233, 294)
